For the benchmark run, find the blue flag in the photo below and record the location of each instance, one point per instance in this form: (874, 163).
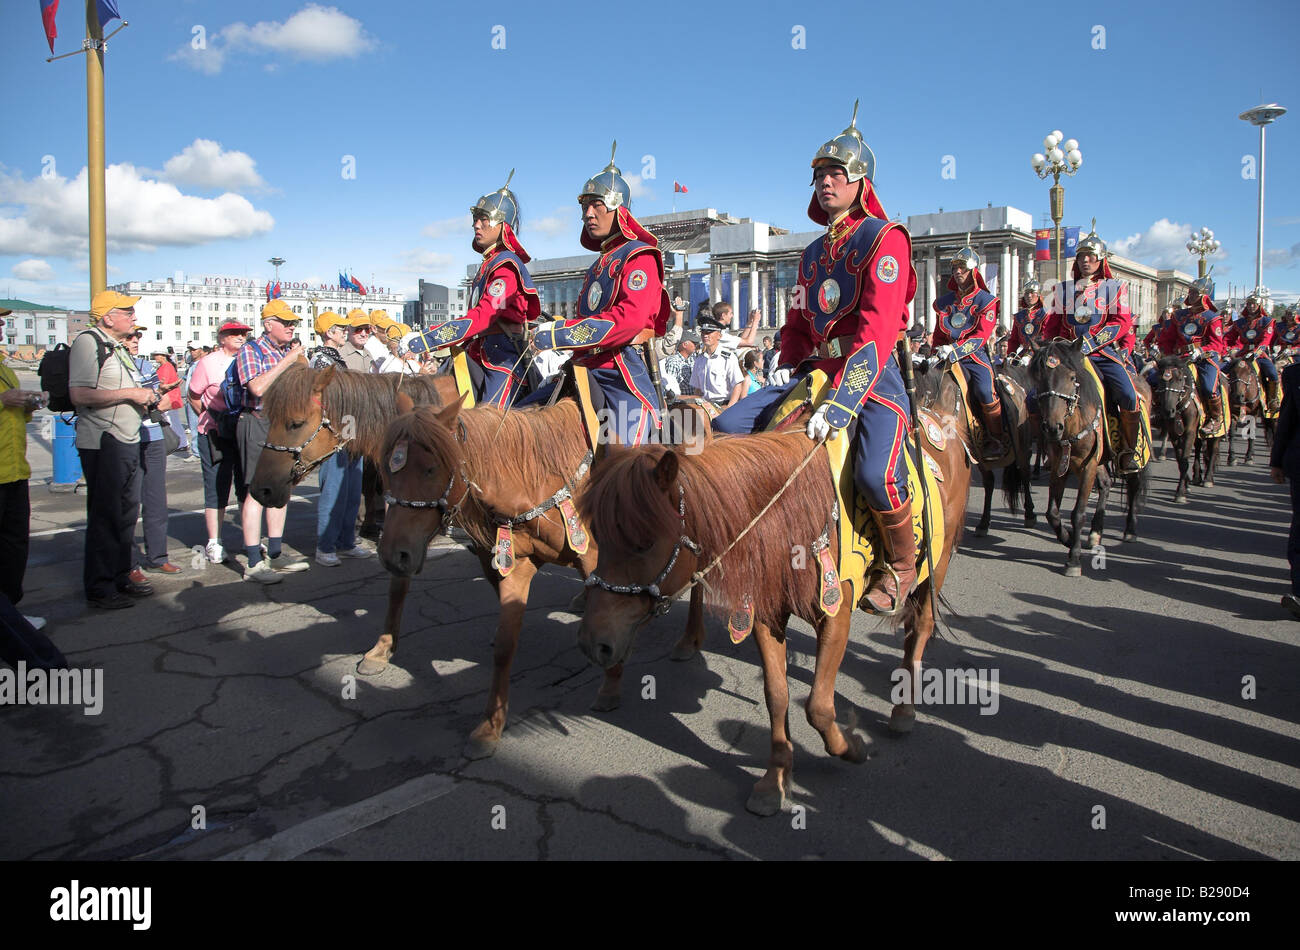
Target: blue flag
(1071, 241)
(107, 10)
(343, 282)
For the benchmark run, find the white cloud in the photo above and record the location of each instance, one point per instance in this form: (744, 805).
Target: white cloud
(461, 224)
(559, 222)
(47, 216)
(1164, 244)
(204, 164)
(1276, 258)
(33, 269)
(427, 263)
(315, 33)
(638, 187)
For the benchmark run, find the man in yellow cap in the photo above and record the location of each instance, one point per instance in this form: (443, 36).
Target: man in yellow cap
(102, 386)
(355, 352)
(333, 332)
(259, 362)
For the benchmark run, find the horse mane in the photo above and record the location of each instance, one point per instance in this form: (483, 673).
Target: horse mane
(518, 450)
(369, 398)
(725, 486)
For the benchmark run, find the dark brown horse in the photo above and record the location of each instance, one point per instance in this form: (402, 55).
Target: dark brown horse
(313, 414)
(1070, 407)
(657, 516)
(481, 467)
(940, 390)
(1174, 404)
(1246, 400)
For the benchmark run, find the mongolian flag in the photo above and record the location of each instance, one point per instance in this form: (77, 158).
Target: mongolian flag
(268, 291)
(679, 188)
(275, 291)
(1043, 245)
(49, 10)
(107, 10)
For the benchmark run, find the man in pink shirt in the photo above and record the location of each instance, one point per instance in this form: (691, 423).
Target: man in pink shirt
(220, 456)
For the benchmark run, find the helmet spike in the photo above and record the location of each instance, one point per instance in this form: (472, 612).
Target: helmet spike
(508, 177)
(853, 123)
(612, 149)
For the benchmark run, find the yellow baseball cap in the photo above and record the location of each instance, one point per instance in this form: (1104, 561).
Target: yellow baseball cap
(280, 310)
(358, 318)
(327, 320)
(396, 331)
(107, 300)
(380, 319)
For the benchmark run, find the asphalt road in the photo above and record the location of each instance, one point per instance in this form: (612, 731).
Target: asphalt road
(1121, 729)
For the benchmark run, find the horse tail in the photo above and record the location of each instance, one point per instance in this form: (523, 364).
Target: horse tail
(1012, 486)
(1143, 486)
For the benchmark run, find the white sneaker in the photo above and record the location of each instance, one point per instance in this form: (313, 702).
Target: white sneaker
(38, 623)
(328, 558)
(288, 563)
(216, 553)
(262, 573)
(359, 552)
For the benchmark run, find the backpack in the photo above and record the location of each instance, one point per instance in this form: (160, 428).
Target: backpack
(55, 371)
(232, 394)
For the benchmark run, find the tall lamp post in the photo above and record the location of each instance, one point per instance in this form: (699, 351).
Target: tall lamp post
(1261, 116)
(276, 262)
(1202, 245)
(1063, 157)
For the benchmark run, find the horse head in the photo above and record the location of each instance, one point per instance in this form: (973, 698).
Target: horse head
(300, 435)
(1175, 379)
(1243, 388)
(425, 481)
(1059, 376)
(635, 509)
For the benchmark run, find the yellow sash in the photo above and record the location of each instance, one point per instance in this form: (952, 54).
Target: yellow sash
(460, 369)
(1263, 390)
(859, 551)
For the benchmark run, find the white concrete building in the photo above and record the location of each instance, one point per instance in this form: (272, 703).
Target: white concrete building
(34, 325)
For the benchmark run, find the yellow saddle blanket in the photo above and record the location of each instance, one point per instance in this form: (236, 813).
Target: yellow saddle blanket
(860, 550)
(1224, 419)
(1108, 412)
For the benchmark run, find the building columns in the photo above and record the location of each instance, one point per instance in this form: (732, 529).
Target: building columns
(931, 269)
(753, 293)
(735, 295)
(1006, 286)
(715, 283)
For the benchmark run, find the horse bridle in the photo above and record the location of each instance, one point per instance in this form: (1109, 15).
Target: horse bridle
(449, 511)
(300, 471)
(662, 602)
(1072, 403)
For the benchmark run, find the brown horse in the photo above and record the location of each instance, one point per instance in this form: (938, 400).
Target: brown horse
(1070, 407)
(315, 413)
(1246, 400)
(658, 517)
(1174, 403)
(481, 468)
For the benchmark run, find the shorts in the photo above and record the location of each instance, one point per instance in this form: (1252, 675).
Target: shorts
(250, 434)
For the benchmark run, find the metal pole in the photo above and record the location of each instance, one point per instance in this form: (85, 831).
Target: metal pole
(95, 150)
(1259, 245)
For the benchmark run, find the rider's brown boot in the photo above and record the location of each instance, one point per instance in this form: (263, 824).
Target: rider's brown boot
(1130, 424)
(885, 595)
(1214, 414)
(994, 441)
(1274, 395)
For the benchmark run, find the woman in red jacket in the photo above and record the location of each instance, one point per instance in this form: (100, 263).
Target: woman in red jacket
(170, 404)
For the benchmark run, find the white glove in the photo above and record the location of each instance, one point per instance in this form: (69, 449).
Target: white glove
(405, 344)
(944, 352)
(818, 429)
(780, 376)
(1196, 353)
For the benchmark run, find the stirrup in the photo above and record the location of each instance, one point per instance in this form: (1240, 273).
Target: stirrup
(1128, 462)
(897, 601)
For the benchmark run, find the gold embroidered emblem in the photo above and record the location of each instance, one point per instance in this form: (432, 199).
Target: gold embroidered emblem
(858, 378)
(444, 332)
(581, 334)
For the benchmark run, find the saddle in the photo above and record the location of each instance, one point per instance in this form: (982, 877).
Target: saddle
(1004, 388)
(1225, 418)
(1263, 390)
(1111, 431)
(850, 548)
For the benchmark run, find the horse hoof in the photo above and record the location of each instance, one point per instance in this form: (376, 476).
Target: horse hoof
(857, 750)
(603, 703)
(1074, 570)
(1094, 539)
(1180, 499)
(1130, 536)
(981, 532)
(901, 720)
(1208, 483)
(683, 652)
(1031, 521)
(479, 747)
(372, 666)
(765, 802)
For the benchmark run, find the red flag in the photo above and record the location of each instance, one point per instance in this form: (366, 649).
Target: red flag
(679, 187)
(49, 10)
(361, 288)
(275, 292)
(268, 291)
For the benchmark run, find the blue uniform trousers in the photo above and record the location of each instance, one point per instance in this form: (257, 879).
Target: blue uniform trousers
(879, 448)
(503, 371)
(624, 414)
(1115, 379)
(1207, 375)
(979, 376)
(1267, 369)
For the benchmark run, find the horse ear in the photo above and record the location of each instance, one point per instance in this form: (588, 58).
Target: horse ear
(1078, 344)
(405, 404)
(323, 379)
(666, 470)
(447, 415)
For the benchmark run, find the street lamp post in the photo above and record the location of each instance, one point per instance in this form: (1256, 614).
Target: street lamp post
(276, 261)
(1202, 245)
(1261, 116)
(1063, 157)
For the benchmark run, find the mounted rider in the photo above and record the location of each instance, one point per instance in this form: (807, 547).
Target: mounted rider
(1030, 325)
(847, 313)
(966, 317)
(1157, 328)
(1251, 334)
(1094, 307)
(501, 302)
(622, 303)
(1286, 336)
(1197, 330)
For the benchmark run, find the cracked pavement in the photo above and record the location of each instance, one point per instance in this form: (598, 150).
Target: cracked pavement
(1122, 689)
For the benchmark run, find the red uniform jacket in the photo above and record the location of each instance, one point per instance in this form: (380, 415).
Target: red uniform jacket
(981, 328)
(1235, 337)
(1173, 340)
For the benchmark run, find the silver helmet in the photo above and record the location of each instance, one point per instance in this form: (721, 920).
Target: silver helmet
(849, 150)
(499, 207)
(1091, 244)
(1032, 286)
(1204, 285)
(967, 256)
(608, 185)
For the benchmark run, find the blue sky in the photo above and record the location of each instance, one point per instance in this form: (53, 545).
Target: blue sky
(233, 153)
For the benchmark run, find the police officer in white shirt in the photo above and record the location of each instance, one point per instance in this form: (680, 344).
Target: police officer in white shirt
(716, 375)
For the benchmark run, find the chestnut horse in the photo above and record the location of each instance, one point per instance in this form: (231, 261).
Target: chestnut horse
(1070, 407)
(481, 468)
(313, 414)
(659, 518)
(1246, 399)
